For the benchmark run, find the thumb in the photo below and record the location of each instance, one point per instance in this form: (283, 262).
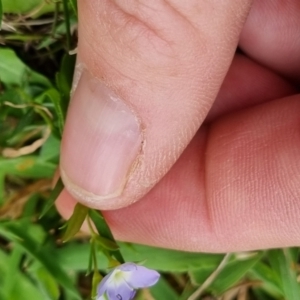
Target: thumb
(149, 72)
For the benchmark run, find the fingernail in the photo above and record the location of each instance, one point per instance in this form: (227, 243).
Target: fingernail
(101, 141)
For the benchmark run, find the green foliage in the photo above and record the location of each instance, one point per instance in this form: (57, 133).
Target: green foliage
(73, 4)
(53, 196)
(13, 72)
(233, 271)
(61, 97)
(1, 12)
(31, 250)
(284, 265)
(75, 222)
(32, 246)
(104, 231)
(23, 7)
(163, 290)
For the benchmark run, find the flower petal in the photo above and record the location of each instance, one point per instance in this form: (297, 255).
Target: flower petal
(119, 291)
(102, 286)
(142, 277)
(128, 267)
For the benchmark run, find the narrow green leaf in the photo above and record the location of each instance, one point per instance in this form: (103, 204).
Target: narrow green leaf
(9, 279)
(64, 77)
(73, 4)
(167, 260)
(282, 263)
(91, 257)
(233, 272)
(104, 231)
(95, 281)
(269, 281)
(74, 256)
(100, 224)
(1, 13)
(54, 96)
(27, 166)
(24, 240)
(53, 196)
(23, 7)
(2, 189)
(106, 243)
(47, 283)
(67, 23)
(75, 222)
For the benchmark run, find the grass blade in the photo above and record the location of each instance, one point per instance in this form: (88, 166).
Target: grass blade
(75, 222)
(104, 231)
(283, 264)
(1, 13)
(26, 242)
(67, 24)
(54, 194)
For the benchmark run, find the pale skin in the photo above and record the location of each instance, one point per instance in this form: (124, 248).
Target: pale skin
(232, 166)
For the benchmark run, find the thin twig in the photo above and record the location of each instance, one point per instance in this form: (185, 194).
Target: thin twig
(211, 278)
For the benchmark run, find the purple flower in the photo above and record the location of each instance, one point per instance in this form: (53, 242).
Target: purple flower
(123, 281)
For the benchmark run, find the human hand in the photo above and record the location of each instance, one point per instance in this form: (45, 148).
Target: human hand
(236, 185)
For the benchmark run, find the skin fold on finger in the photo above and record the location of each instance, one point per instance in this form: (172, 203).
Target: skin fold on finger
(246, 84)
(235, 188)
(271, 36)
(166, 60)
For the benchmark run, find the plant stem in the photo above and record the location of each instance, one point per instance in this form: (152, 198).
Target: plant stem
(210, 278)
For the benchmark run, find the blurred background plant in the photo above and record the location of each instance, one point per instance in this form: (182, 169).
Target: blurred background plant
(37, 56)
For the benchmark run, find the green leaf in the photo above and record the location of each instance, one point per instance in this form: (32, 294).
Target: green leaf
(162, 291)
(67, 23)
(50, 150)
(285, 268)
(25, 286)
(269, 281)
(1, 12)
(95, 281)
(23, 7)
(100, 224)
(64, 80)
(14, 72)
(233, 272)
(53, 196)
(104, 231)
(106, 243)
(9, 280)
(27, 166)
(75, 222)
(45, 258)
(47, 283)
(2, 189)
(64, 77)
(73, 4)
(169, 260)
(75, 256)
(54, 96)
